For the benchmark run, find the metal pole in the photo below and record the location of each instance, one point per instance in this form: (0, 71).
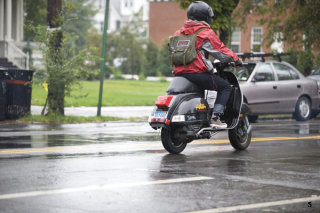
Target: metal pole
(105, 28)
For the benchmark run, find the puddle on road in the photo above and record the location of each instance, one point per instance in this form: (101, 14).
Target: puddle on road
(282, 128)
(39, 141)
(51, 135)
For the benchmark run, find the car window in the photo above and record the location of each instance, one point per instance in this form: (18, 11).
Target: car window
(316, 72)
(243, 72)
(264, 73)
(285, 72)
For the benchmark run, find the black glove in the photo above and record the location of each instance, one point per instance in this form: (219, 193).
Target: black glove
(238, 62)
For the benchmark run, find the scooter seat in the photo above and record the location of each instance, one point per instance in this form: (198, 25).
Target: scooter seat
(180, 84)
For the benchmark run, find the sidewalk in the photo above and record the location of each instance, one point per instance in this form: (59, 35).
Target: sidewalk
(131, 111)
(119, 111)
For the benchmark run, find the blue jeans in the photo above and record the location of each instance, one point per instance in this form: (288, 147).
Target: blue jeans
(207, 81)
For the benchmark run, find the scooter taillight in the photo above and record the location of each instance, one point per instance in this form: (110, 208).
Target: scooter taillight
(163, 101)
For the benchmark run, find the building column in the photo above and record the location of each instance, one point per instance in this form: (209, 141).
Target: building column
(8, 35)
(1, 20)
(19, 25)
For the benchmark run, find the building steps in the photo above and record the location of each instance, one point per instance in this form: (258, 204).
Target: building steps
(4, 62)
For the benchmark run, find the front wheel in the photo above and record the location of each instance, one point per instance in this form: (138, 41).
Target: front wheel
(240, 137)
(303, 109)
(170, 143)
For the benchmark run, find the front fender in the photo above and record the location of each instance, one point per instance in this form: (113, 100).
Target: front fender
(245, 109)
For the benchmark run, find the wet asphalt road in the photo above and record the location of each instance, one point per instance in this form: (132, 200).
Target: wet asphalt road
(122, 167)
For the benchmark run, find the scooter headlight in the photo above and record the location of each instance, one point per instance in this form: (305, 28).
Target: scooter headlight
(178, 118)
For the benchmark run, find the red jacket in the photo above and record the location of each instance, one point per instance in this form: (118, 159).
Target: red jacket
(198, 66)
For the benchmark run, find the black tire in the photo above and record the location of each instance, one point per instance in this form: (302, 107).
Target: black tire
(252, 118)
(303, 109)
(239, 138)
(170, 144)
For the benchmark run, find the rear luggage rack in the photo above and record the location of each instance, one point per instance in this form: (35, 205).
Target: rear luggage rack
(243, 56)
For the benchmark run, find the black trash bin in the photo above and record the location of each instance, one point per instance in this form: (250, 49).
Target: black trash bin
(18, 93)
(3, 93)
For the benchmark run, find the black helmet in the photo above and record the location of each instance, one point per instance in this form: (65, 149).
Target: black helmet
(200, 11)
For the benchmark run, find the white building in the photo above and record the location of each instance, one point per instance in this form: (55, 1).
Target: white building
(11, 32)
(120, 13)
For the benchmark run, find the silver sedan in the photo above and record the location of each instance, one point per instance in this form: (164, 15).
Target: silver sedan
(274, 87)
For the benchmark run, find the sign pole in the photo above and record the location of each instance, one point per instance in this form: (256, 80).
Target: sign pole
(105, 28)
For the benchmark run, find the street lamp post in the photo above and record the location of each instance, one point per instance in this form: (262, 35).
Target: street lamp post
(105, 28)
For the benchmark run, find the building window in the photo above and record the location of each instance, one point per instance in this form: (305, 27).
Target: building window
(256, 39)
(118, 25)
(236, 40)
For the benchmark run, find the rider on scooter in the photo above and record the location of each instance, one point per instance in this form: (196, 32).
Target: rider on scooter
(200, 70)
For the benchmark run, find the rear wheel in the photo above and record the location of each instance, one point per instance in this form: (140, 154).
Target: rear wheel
(303, 109)
(170, 143)
(239, 137)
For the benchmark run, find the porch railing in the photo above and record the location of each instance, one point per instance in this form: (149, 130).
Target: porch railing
(14, 54)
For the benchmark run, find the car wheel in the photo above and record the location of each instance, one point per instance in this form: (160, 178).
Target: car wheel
(303, 109)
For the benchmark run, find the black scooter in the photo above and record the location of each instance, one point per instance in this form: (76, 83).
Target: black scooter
(183, 115)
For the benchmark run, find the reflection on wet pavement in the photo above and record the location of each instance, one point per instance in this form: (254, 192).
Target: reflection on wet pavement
(51, 135)
(68, 165)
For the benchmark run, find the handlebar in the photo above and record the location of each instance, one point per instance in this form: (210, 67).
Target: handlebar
(219, 66)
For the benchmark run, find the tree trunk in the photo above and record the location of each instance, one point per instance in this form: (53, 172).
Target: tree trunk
(55, 85)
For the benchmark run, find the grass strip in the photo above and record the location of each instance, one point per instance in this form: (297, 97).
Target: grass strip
(115, 93)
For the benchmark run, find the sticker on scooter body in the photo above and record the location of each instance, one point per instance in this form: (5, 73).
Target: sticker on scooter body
(201, 107)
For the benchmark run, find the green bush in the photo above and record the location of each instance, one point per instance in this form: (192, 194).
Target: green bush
(142, 77)
(302, 60)
(117, 74)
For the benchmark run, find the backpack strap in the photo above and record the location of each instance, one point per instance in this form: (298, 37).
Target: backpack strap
(199, 32)
(194, 37)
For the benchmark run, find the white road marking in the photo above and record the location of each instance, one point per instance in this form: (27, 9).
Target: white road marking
(260, 205)
(100, 187)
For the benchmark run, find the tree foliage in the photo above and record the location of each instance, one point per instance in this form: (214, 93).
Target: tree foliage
(297, 20)
(78, 18)
(127, 52)
(130, 52)
(36, 14)
(164, 67)
(222, 16)
(151, 59)
(63, 67)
